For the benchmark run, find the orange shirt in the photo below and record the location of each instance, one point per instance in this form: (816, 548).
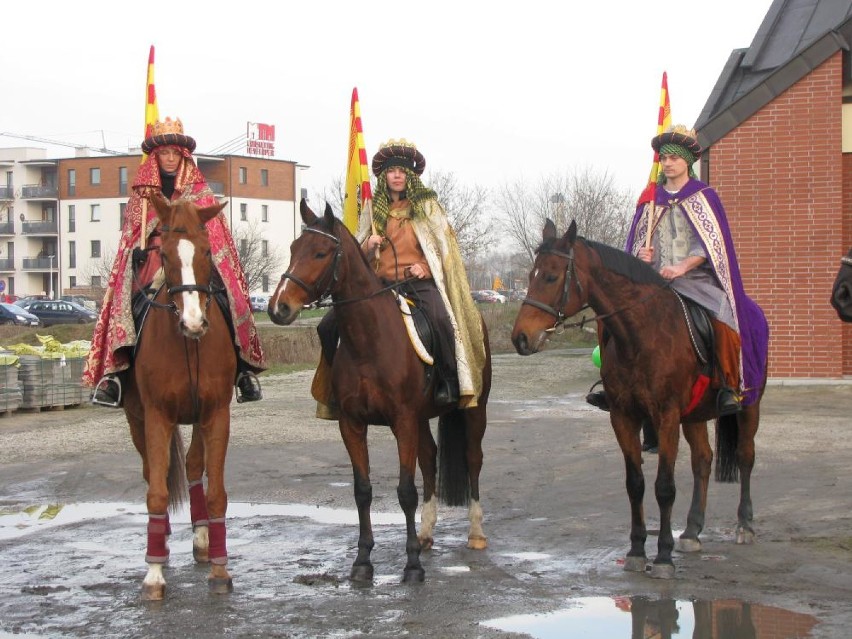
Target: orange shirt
(401, 248)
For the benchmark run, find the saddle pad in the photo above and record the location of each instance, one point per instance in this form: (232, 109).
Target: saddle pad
(408, 320)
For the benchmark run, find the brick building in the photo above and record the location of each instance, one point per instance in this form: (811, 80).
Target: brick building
(777, 130)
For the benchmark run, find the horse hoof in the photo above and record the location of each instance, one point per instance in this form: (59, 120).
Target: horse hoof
(688, 544)
(477, 542)
(413, 576)
(635, 564)
(662, 571)
(153, 592)
(426, 543)
(200, 555)
(220, 585)
(745, 536)
(361, 573)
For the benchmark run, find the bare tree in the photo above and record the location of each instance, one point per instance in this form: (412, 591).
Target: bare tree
(601, 210)
(259, 257)
(467, 212)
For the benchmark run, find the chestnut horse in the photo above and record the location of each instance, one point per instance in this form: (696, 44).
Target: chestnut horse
(379, 379)
(183, 373)
(649, 367)
(841, 292)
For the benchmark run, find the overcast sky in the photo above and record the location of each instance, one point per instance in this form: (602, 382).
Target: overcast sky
(491, 91)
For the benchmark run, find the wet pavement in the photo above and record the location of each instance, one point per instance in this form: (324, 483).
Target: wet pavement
(72, 530)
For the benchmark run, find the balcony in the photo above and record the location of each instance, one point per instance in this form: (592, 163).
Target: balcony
(7, 264)
(7, 193)
(39, 264)
(7, 228)
(39, 192)
(40, 228)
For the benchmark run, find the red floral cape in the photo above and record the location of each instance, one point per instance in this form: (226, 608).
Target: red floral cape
(115, 334)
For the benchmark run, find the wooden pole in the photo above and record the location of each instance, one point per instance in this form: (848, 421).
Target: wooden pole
(143, 240)
(652, 213)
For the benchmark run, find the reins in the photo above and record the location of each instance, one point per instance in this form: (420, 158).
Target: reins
(565, 296)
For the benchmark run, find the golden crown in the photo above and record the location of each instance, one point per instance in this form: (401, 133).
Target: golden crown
(682, 130)
(399, 142)
(167, 126)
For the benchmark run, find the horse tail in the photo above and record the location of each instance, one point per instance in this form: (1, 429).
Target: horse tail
(176, 481)
(453, 483)
(727, 432)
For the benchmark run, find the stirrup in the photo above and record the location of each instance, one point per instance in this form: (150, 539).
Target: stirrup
(254, 393)
(101, 389)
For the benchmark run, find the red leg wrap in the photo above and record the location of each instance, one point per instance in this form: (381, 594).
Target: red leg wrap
(198, 504)
(217, 552)
(158, 552)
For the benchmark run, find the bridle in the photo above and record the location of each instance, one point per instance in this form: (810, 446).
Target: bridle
(565, 296)
(331, 273)
(565, 293)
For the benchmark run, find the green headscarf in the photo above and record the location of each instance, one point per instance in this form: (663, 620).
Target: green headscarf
(682, 151)
(415, 192)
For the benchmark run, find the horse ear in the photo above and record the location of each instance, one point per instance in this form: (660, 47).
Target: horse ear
(329, 216)
(209, 212)
(571, 233)
(307, 214)
(549, 230)
(161, 204)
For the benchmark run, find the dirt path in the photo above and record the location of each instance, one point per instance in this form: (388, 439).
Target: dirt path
(556, 514)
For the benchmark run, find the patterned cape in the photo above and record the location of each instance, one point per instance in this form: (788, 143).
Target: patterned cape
(706, 215)
(114, 333)
(440, 246)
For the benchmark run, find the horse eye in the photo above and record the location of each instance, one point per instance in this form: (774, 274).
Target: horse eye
(320, 254)
(550, 278)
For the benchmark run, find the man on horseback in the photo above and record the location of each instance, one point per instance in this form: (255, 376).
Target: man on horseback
(683, 233)
(412, 246)
(169, 169)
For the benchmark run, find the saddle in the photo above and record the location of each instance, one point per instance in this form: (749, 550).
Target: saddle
(700, 332)
(418, 328)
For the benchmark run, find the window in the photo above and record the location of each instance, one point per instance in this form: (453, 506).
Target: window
(264, 248)
(122, 211)
(122, 180)
(96, 248)
(264, 212)
(243, 175)
(72, 182)
(243, 212)
(72, 254)
(264, 177)
(265, 283)
(72, 218)
(95, 176)
(72, 281)
(96, 281)
(96, 213)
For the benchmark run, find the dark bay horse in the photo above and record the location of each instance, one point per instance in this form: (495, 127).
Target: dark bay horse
(183, 373)
(649, 368)
(841, 292)
(379, 379)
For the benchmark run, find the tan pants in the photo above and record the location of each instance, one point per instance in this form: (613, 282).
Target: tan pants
(727, 353)
(322, 392)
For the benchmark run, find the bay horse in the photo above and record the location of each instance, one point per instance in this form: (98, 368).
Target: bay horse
(649, 367)
(379, 379)
(183, 373)
(841, 292)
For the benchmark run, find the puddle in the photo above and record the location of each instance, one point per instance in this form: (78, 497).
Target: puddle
(627, 617)
(15, 523)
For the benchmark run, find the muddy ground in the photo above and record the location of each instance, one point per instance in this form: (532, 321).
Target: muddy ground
(72, 534)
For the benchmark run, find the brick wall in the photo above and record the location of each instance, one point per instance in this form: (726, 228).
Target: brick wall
(780, 175)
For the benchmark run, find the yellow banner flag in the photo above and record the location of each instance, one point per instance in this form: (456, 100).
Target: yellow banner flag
(359, 194)
(152, 114)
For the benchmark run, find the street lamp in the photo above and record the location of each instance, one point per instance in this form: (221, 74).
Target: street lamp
(50, 294)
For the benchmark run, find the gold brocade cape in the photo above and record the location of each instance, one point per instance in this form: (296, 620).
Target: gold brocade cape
(440, 246)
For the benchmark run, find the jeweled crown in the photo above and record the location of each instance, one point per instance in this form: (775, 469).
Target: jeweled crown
(399, 142)
(167, 126)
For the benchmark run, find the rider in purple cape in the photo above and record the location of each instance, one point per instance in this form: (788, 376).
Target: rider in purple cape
(691, 245)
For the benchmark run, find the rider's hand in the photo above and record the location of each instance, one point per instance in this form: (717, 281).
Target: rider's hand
(646, 254)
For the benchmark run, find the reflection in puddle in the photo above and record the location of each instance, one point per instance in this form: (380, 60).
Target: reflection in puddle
(640, 617)
(16, 523)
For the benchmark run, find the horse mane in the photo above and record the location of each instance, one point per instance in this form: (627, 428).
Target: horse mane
(341, 230)
(617, 261)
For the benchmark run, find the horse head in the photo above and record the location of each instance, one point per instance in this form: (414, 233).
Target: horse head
(556, 290)
(186, 258)
(841, 292)
(313, 268)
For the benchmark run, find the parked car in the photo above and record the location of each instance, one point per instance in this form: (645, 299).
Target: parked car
(61, 312)
(259, 303)
(518, 294)
(82, 300)
(13, 314)
(24, 302)
(488, 296)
